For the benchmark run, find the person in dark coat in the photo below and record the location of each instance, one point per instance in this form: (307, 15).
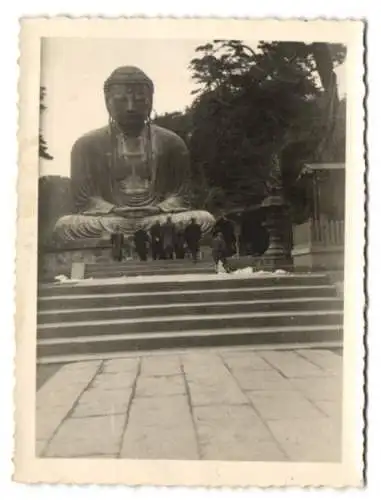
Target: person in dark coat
(156, 241)
(192, 238)
(141, 241)
(168, 233)
(180, 242)
(226, 228)
(260, 241)
(219, 251)
(117, 243)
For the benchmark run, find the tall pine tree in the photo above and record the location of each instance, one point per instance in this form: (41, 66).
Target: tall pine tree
(43, 147)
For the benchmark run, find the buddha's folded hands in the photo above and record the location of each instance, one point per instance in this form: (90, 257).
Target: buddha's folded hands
(175, 210)
(172, 204)
(125, 211)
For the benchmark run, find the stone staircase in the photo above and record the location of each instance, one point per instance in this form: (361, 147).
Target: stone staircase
(108, 316)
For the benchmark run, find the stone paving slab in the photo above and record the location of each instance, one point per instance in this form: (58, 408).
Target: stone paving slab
(114, 381)
(97, 402)
(308, 440)
(87, 437)
(162, 385)
(234, 433)
(209, 381)
(56, 398)
(290, 364)
(317, 389)
(326, 360)
(267, 380)
(160, 428)
(211, 404)
(160, 365)
(279, 405)
(121, 365)
(245, 361)
(331, 409)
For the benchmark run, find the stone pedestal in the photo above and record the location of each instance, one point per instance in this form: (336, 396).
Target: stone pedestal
(74, 256)
(60, 260)
(277, 256)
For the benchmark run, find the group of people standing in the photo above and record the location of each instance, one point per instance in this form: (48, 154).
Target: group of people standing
(163, 241)
(170, 241)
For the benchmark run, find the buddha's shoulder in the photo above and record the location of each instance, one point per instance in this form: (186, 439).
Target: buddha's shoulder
(166, 135)
(97, 136)
(92, 137)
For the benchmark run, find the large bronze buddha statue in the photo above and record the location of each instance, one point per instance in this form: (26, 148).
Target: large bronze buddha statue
(130, 173)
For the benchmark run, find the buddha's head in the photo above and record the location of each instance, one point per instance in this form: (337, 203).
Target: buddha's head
(128, 95)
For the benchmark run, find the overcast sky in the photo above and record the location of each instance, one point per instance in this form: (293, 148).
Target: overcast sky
(73, 71)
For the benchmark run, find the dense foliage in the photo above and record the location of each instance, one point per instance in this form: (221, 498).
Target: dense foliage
(54, 201)
(275, 105)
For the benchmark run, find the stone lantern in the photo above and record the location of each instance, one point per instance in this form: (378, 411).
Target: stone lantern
(278, 253)
(276, 220)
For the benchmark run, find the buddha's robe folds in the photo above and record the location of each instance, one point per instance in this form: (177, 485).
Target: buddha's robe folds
(149, 175)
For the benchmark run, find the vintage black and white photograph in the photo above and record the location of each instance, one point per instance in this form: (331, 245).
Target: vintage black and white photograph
(191, 225)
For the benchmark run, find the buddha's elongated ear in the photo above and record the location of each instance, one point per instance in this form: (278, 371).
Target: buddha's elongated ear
(150, 102)
(152, 114)
(108, 104)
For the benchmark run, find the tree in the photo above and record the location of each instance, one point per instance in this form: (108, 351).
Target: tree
(43, 148)
(179, 122)
(54, 201)
(254, 104)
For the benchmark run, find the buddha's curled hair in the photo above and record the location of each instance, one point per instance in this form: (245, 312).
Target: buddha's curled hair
(128, 74)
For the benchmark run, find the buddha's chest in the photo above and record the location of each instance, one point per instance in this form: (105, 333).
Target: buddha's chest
(132, 167)
(134, 164)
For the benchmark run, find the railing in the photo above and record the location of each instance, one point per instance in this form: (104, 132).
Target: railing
(328, 232)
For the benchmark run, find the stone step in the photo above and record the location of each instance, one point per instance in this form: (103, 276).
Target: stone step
(101, 298)
(188, 338)
(150, 264)
(185, 322)
(196, 308)
(144, 271)
(183, 283)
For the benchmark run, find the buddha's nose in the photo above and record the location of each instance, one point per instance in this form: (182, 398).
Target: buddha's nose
(130, 104)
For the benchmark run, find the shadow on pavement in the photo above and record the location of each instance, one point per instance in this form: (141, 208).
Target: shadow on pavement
(44, 372)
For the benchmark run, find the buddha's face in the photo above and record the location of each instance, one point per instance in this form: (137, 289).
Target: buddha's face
(129, 104)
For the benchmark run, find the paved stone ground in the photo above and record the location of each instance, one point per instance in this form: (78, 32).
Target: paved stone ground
(237, 404)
